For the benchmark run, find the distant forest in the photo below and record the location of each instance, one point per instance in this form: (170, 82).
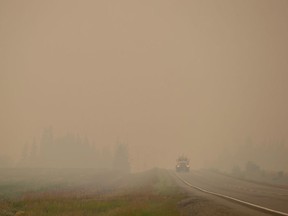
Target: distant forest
(272, 155)
(72, 151)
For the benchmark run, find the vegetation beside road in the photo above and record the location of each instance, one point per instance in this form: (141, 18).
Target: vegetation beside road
(149, 193)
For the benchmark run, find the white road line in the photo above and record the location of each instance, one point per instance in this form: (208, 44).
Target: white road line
(233, 199)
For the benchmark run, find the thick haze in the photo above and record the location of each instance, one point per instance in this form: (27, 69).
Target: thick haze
(165, 77)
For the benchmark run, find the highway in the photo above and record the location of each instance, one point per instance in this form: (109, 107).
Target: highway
(273, 199)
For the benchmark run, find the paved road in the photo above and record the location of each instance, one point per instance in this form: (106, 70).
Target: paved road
(266, 196)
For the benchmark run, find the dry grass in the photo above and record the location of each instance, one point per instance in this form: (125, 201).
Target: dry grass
(151, 193)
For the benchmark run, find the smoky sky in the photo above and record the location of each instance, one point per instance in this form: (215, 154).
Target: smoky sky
(166, 77)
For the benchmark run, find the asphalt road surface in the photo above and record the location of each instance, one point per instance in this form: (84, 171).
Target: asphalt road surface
(270, 197)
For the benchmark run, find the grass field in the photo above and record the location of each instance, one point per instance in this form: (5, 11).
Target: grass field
(142, 194)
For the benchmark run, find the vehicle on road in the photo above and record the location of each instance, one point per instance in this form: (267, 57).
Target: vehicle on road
(182, 164)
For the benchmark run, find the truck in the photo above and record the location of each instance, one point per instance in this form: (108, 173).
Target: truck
(182, 164)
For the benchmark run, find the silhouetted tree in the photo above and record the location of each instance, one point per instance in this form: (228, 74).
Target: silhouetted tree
(33, 154)
(47, 144)
(252, 168)
(121, 159)
(24, 156)
(5, 161)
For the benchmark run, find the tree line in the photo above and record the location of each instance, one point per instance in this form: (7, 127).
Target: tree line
(73, 151)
